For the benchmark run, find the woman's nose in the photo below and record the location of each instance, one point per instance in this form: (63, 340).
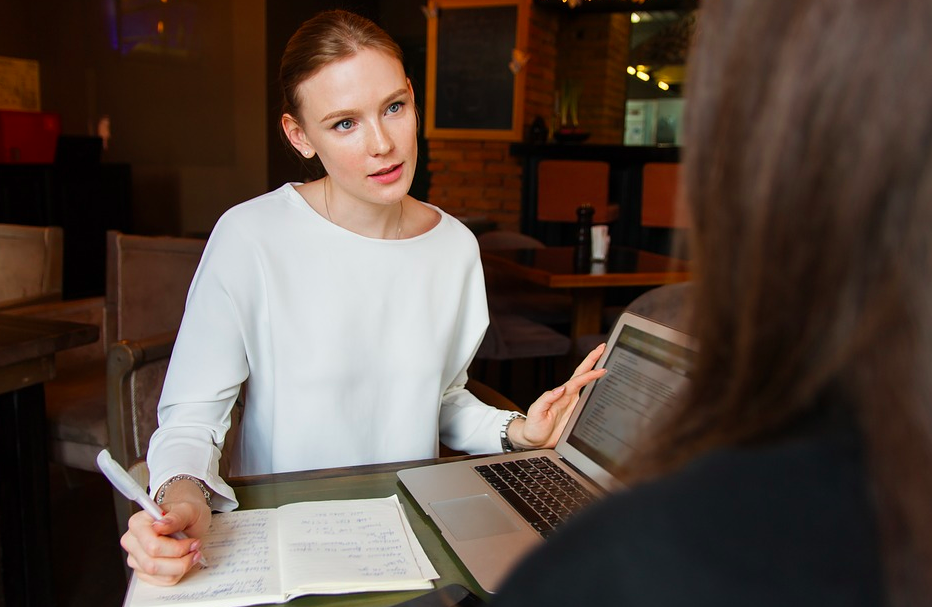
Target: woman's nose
(380, 142)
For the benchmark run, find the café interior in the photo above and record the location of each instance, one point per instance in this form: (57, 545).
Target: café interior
(129, 126)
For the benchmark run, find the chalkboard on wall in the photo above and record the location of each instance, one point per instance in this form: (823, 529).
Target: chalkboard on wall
(474, 89)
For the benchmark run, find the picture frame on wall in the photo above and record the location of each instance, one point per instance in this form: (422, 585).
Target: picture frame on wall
(476, 59)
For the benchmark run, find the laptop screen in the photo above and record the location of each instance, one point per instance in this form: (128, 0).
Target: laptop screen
(645, 374)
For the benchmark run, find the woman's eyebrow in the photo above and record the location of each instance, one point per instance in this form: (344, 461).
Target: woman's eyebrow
(354, 112)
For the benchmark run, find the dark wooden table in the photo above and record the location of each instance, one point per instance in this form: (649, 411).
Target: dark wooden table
(558, 268)
(358, 482)
(27, 359)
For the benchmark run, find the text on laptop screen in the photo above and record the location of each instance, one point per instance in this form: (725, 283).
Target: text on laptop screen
(645, 374)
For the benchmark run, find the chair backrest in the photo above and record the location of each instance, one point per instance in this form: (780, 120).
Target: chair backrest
(661, 205)
(30, 264)
(147, 283)
(666, 304)
(565, 185)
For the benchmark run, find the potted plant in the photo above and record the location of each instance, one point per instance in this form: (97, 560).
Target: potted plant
(568, 103)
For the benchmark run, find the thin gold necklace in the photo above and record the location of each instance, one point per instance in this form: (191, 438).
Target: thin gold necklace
(401, 215)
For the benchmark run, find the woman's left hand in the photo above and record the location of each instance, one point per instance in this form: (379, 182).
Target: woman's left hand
(547, 417)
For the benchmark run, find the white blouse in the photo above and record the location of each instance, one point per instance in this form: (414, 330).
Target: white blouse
(350, 350)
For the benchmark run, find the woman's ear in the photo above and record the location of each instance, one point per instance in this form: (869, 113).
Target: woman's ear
(296, 136)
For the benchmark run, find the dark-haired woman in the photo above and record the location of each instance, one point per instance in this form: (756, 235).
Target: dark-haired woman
(796, 471)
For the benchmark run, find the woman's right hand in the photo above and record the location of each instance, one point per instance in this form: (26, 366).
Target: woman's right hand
(159, 558)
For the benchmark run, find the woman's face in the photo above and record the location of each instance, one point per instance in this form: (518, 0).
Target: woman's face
(358, 115)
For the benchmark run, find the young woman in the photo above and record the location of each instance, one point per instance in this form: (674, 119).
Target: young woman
(348, 311)
(796, 472)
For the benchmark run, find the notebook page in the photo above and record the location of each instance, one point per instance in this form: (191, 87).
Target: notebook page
(243, 566)
(350, 546)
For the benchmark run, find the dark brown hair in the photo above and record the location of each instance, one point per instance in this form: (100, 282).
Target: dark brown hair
(808, 174)
(327, 37)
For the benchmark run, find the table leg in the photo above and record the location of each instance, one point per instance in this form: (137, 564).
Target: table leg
(24, 498)
(587, 312)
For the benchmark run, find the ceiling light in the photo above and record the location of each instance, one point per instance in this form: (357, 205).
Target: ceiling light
(663, 85)
(631, 70)
(635, 18)
(643, 76)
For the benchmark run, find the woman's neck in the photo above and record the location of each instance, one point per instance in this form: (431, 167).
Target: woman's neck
(382, 221)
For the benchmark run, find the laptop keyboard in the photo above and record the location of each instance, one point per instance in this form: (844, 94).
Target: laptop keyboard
(542, 492)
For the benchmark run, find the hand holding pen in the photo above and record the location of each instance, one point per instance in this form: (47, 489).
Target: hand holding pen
(125, 484)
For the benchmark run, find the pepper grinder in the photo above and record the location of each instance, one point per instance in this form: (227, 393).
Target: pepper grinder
(583, 259)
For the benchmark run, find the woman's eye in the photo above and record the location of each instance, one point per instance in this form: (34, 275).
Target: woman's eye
(343, 125)
(394, 108)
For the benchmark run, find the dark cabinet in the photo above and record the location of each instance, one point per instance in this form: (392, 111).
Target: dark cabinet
(85, 201)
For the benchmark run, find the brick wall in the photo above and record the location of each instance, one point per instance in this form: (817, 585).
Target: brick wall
(477, 178)
(480, 178)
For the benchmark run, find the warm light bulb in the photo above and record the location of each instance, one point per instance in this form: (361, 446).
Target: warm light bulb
(161, 27)
(663, 85)
(635, 18)
(631, 70)
(643, 76)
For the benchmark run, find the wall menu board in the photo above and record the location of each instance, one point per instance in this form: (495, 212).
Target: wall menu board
(19, 84)
(474, 89)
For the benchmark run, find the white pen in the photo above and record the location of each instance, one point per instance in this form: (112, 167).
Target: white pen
(124, 483)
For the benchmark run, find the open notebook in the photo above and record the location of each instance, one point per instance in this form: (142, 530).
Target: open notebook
(272, 555)
(492, 510)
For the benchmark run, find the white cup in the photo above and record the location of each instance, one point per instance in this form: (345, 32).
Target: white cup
(598, 267)
(600, 240)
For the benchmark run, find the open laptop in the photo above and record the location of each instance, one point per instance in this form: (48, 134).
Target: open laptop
(481, 517)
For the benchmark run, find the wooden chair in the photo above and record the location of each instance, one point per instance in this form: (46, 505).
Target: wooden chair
(512, 337)
(663, 215)
(661, 205)
(31, 261)
(565, 185)
(147, 283)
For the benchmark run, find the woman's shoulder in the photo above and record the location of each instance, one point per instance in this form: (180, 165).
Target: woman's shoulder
(268, 213)
(431, 219)
(264, 205)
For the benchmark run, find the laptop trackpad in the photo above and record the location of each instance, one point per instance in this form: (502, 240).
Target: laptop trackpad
(473, 517)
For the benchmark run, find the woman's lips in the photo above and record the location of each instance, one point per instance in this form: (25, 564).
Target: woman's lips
(389, 175)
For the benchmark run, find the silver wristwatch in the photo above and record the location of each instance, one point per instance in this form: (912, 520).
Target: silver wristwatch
(507, 447)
